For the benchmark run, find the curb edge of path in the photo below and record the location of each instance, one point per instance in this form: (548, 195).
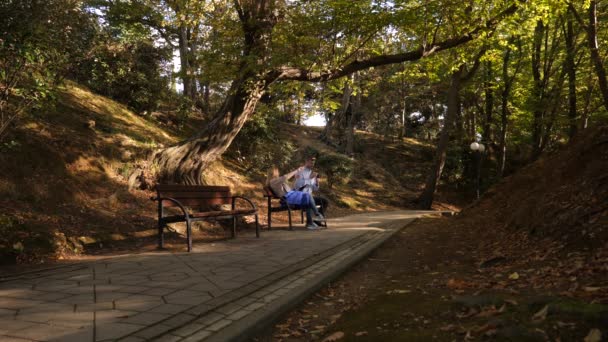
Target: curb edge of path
(261, 319)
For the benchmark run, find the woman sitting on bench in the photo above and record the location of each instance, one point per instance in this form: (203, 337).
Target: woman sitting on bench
(280, 187)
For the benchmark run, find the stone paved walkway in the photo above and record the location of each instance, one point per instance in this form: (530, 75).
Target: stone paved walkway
(221, 291)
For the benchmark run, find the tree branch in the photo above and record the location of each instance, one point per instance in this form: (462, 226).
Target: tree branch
(300, 74)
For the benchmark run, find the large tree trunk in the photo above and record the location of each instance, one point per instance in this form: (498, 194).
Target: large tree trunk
(185, 163)
(596, 59)
(426, 198)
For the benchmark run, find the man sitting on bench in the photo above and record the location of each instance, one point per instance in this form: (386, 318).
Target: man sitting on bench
(278, 185)
(307, 180)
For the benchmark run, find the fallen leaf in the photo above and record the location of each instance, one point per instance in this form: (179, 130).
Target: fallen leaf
(514, 276)
(594, 335)
(591, 288)
(334, 337)
(449, 327)
(398, 291)
(361, 333)
(541, 314)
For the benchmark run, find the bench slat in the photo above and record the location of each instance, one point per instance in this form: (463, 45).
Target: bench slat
(197, 202)
(204, 195)
(191, 188)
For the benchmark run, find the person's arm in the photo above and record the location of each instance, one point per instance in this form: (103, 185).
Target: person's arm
(292, 173)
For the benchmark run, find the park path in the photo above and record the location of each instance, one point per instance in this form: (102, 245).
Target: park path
(219, 292)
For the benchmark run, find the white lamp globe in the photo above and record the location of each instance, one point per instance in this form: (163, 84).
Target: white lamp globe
(474, 146)
(481, 148)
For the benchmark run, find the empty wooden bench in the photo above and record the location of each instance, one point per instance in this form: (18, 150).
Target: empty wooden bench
(205, 203)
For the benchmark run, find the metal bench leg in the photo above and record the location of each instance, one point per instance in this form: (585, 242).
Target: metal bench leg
(161, 237)
(269, 214)
(189, 235)
(257, 227)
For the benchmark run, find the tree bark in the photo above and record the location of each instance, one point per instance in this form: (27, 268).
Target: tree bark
(596, 59)
(537, 89)
(570, 67)
(489, 105)
(425, 200)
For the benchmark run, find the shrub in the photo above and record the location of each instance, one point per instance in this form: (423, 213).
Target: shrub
(337, 167)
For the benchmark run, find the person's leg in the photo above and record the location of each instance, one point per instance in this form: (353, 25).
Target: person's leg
(323, 202)
(313, 205)
(308, 216)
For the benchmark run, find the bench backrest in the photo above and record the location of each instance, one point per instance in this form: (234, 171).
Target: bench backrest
(268, 192)
(195, 195)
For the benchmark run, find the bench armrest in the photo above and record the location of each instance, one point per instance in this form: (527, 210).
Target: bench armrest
(234, 198)
(179, 204)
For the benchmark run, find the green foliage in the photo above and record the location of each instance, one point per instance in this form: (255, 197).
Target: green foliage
(337, 167)
(127, 72)
(258, 147)
(37, 45)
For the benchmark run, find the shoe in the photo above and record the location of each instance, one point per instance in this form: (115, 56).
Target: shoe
(319, 217)
(312, 226)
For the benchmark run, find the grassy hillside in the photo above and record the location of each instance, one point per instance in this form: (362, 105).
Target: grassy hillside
(63, 180)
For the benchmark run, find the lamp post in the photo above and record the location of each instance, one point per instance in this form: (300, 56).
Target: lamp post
(478, 150)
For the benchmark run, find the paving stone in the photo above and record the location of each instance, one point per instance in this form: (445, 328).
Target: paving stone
(136, 305)
(5, 338)
(112, 331)
(169, 308)
(94, 307)
(88, 298)
(146, 318)
(238, 314)
(209, 318)
(14, 303)
(112, 316)
(200, 309)
(199, 336)
(152, 331)
(219, 325)
(229, 308)
(254, 306)
(132, 339)
(45, 332)
(167, 338)
(188, 329)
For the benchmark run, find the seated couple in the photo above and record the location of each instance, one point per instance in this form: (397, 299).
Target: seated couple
(301, 199)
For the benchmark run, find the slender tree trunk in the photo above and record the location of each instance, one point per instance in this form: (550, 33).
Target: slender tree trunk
(537, 90)
(489, 106)
(426, 198)
(350, 130)
(596, 59)
(334, 127)
(185, 60)
(504, 113)
(571, 71)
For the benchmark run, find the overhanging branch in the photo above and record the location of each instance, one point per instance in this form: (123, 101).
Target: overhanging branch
(300, 74)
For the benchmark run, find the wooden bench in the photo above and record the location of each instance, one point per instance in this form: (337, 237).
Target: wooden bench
(205, 203)
(282, 206)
